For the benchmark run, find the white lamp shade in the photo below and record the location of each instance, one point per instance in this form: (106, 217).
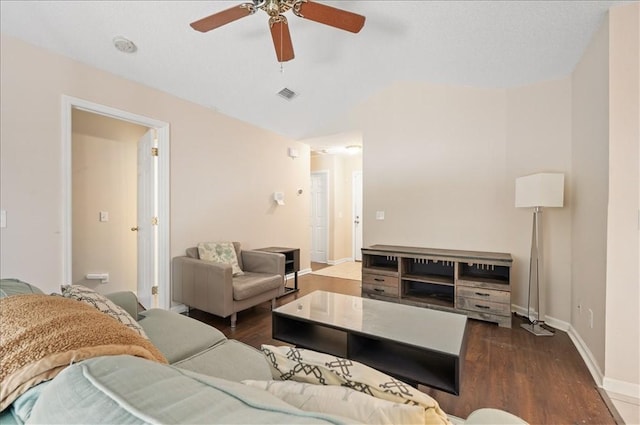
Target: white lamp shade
(540, 190)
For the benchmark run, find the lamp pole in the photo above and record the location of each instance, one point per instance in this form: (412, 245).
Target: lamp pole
(536, 277)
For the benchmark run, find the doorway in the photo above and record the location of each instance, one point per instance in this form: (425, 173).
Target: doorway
(319, 216)
(156, 262)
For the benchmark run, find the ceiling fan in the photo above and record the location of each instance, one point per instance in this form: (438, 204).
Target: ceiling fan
(280, 34)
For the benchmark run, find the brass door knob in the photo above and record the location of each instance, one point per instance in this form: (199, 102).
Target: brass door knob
(134, 229)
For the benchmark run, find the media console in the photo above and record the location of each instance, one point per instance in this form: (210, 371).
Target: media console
(477, 284)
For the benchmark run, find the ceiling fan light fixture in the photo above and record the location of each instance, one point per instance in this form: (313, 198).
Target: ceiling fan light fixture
(287, 93)
(124, 45)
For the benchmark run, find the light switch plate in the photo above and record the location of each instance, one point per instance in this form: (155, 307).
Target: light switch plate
(104, 215)
(379, 215)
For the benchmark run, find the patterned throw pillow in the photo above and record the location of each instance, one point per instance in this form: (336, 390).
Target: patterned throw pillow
(102, 303)
(342, 401)
(220, 252)
(317, 368)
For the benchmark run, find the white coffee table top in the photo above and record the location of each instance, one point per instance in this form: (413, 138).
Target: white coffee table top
(422, 327)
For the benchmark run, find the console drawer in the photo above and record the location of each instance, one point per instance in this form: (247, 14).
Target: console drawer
(472, 304)
(380, 280)
(379, 284)
(381, 290)
(483, 294)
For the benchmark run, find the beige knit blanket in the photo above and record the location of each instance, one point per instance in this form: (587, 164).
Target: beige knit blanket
(40, 335)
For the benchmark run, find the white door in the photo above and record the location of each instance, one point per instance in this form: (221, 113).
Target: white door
(147, 219)
(357, 215)
(319, 216)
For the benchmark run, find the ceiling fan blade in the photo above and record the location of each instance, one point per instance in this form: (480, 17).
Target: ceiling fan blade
(331, 16)
(222, 18)
(281, 38)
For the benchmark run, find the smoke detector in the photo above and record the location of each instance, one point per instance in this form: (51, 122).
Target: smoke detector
(124, 45)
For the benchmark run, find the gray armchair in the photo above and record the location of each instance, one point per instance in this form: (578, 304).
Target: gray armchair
(211, 287)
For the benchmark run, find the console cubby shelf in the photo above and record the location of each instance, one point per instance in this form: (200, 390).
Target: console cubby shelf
(475, 283)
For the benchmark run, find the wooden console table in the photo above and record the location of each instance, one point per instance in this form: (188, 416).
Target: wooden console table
(477, 284)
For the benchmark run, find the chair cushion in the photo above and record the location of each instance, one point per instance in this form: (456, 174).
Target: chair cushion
(176, 336)
(128, 390)
(251, 284)
(220, 252)
(230, 360)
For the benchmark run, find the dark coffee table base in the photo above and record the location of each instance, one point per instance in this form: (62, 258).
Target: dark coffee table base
(409, 363)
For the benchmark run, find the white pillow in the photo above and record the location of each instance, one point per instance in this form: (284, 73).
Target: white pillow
(220, 252)
(313, 367)
(342, 401)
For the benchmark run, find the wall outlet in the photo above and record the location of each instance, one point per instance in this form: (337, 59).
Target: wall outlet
(591, 318)
(379, 215)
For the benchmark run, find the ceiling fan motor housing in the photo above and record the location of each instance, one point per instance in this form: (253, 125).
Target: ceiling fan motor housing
(275, 7)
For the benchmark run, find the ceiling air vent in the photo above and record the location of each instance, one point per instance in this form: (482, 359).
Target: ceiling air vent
(287, 93)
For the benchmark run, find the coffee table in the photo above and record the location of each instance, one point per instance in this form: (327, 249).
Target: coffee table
(414, 344)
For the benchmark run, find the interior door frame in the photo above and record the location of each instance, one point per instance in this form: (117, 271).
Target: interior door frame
(162, 132)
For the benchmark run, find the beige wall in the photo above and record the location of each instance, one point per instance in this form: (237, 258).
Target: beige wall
(539, 140)
(441, 162)
(104, 178)
(590, 169)
(622, 368)
(223, 171)
(340, 168)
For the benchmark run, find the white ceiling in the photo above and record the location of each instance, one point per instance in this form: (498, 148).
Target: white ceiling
(233, 69)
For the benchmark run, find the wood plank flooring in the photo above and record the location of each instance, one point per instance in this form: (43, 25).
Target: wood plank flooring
(541, 379)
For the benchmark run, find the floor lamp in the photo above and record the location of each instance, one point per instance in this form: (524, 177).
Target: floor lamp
(538, 191)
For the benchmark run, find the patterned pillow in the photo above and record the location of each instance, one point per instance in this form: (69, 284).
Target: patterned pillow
(220, 252)
(317, 368)
(342, 401)
(102, 303)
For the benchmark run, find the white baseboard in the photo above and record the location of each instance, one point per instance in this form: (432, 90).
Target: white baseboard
(587, 356)
(300, 273)
(180, 308)
(621, 390)
(551, 321)
(340, 261)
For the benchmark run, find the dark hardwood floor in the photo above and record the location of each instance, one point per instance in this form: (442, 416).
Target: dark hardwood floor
(541, 379)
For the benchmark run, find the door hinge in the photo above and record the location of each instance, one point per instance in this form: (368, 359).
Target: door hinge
(154, 221)
(154, 290)
(154, 151)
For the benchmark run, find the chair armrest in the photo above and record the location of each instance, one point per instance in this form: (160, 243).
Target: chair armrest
(201, 284)
(127, 300)
(263, 262)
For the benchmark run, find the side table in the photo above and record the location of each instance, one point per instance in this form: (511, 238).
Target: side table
(291, 264)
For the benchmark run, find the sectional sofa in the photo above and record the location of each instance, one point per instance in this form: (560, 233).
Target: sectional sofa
(197, 378)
